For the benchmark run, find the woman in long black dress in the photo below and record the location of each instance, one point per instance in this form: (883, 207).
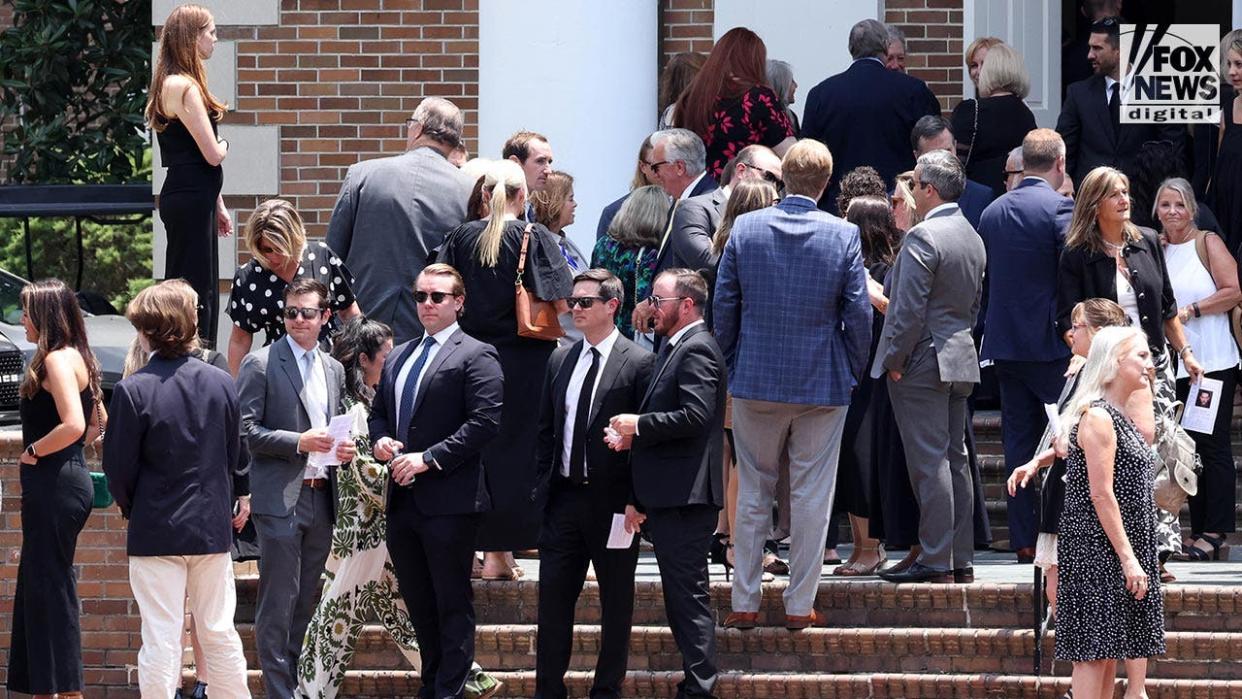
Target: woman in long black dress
(1109, 601)
(185, 116)
(58, 397)
(486, 253)
(986, 129)
(1225, 189)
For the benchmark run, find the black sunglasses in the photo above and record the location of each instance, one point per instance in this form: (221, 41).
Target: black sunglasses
(657, 300)
(583, 301)
(767, 175)
(292, 312)
(437, 297)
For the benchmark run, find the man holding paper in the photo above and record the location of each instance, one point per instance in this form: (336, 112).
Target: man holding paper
(289, 392)
(587, 486)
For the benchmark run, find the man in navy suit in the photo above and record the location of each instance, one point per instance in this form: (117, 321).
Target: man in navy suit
(1024, 232)
(934, 133)
(1090, 120)
(794, 322)
(438, 404)
(864, 115)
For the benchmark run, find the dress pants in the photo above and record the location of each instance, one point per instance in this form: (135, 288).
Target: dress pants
(1212, 508)
(432, 556)
(1025, 387)
(682, 538)
(931, 415)
(161, 585)
(809, 438)
(293, 550)
(575, 534)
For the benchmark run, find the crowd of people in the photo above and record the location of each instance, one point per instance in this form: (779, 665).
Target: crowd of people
(776, 317)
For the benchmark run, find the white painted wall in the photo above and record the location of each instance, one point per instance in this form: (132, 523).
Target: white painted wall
(584, 74)
(812, 35)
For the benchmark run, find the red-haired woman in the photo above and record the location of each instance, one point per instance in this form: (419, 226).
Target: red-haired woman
(729, 103)
(58, 398)
(185, 116)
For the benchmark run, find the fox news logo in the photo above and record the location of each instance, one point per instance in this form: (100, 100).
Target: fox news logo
(1170, 74)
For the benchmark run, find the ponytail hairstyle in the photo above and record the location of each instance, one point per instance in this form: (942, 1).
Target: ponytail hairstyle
(178, 55)
(502, 183)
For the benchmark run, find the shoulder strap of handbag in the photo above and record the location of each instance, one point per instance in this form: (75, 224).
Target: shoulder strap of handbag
(522, 255)
(1202, 251)
(974, 134)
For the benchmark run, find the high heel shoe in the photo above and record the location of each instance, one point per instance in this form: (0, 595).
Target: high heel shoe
(1218, 544)
(720, 554)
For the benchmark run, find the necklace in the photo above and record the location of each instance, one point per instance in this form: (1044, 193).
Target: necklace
(1114, 246)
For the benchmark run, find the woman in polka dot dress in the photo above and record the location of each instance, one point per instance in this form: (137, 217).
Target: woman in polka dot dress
(1109, 604)
(281, 253)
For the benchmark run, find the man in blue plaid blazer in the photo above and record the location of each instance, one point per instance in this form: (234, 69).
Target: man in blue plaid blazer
(793, 319)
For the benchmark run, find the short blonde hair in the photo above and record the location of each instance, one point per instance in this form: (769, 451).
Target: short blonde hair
(278, 223)
(983, 42)
(807, 167)
(167, 315)
(1231, 42)
(1004, 71)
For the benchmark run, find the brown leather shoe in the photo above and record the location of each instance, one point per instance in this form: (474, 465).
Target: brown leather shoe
(1026, 554)
(797, 623)
(742, 621)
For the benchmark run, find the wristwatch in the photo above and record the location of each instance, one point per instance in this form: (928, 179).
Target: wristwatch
(430, 462)
(31, 450)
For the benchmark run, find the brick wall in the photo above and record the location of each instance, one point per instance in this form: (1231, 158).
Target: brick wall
(110, 623)
(933, 30)
(686, 26)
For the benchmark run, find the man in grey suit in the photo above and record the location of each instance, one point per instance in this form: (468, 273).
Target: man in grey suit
(288, 392)
(928, 353)
(393, 211)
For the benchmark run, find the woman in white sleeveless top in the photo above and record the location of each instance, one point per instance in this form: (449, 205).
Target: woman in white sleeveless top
(1205, 282)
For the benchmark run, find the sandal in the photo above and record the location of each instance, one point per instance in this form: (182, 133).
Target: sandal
(1218, 543)
(851, 570)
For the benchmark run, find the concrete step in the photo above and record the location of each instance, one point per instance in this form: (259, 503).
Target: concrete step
(739, 685)
(863, 603)
(1191, 655)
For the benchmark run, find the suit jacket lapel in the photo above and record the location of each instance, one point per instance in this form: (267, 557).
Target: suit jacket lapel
(448, 348)
(672, 356)
(334, 389)
(561, 384)
(1099, 105)
(289, 364)
(616, 359)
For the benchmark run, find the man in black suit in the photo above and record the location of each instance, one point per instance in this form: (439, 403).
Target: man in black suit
(676, 444)
(588, 485)
(438, 404)
(1090, 120)
(864, 115)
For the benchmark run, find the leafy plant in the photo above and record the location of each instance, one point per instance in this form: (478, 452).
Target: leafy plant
(73, 84)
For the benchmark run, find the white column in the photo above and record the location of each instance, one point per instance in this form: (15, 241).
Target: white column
(584, 74)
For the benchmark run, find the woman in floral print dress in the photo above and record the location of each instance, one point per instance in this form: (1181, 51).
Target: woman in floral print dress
(361, 587)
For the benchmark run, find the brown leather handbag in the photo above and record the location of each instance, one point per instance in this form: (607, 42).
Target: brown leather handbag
(536, 318)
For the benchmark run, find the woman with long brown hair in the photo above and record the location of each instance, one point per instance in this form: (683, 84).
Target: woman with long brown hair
(729, 103)
(185, 117)
(59, 394)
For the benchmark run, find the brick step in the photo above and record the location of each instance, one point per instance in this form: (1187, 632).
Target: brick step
(869, 603)
(1191, 655)
(736, 685)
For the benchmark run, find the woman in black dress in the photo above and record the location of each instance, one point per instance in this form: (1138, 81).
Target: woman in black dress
(185, 116)
(1225, 188)
(58, 399)
(1109, 602)
(988, 128)
(486, 253)
(280, 253)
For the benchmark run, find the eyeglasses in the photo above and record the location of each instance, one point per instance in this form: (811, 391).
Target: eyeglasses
(655, 167)
(1079, 326)
(583, 301)
(657, 300)
(292, 312)
(437, 297)
(1011, 173)
(767, 175)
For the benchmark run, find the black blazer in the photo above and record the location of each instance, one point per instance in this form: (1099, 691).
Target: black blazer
(676, 456)
(456, 413)
(623, 381)
(1092, 140)
(171, 453)
(864, 115)
(1083, 274)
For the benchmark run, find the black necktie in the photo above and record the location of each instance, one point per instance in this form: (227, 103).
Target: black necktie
(662, 356)
(577, 448)
(1114, 106)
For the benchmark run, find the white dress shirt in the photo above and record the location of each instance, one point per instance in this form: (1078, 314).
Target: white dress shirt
(314, 393)
(939, 208)
(576, 379)
(685, 193)
(1109, 86)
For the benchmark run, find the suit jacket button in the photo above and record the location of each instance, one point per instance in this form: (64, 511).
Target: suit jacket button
(1142, 295)
(1144, 319)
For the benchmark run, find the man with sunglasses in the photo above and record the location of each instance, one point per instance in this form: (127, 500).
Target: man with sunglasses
(288, 393)
(438, 404)
(586, 486)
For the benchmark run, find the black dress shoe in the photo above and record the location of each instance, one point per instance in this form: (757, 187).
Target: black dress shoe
(919, 573)
(964, 575)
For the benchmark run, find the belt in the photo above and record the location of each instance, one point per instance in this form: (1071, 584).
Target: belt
(566, 482)
(315, 483)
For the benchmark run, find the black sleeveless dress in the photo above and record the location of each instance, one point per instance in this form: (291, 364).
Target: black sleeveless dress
(45, 651)
(188, 210)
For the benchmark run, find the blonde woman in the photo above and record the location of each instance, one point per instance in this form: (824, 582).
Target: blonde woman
(989, 127)
(280, 253)
(905, 211)
(185, 117)
(976, 54)
(486, 254)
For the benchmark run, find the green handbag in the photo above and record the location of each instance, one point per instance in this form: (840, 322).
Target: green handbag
(103, 497)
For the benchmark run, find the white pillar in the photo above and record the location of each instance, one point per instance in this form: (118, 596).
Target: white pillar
(584, 74)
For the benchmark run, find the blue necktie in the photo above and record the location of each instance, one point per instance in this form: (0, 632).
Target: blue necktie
(411, 387)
